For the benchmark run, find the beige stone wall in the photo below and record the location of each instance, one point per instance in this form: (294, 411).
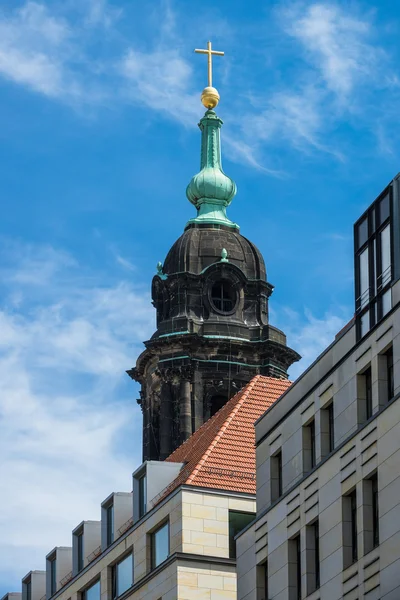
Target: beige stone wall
(372, 448)
(202, 581)
(340, 384)
(198, 525)
(205, 526)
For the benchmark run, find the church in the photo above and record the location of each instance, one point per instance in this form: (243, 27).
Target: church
(211, 295)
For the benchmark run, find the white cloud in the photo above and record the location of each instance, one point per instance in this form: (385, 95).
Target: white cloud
(32, 44)
(309, 335)
(338, 43)
(160, 80)
(65, 400)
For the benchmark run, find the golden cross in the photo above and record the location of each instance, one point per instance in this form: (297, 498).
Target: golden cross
(209, 53)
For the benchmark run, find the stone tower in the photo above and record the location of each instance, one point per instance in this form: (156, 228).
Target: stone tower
(211, 297)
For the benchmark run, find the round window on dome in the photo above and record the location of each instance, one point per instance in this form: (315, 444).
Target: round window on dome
(223, 296)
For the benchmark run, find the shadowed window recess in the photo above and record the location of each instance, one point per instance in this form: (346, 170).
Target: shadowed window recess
(237, 522)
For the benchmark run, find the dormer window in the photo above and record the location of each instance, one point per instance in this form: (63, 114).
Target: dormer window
(110, 524)
(80, 557)
(28, 589)
(53, 576)
(142, 495)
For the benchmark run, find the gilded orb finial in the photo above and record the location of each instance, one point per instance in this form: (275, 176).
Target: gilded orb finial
(210, 96)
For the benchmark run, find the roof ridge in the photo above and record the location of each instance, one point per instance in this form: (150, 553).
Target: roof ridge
(222, 429)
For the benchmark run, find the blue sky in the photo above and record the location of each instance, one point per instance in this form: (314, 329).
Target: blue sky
(99, 104)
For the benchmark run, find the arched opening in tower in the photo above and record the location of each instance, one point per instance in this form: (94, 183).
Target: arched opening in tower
(217, 402)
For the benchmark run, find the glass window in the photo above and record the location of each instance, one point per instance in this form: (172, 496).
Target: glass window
(364, 324)
(92, 592)
(142, 495)
(385, 256)
(312, 440)
(237, 522)
(309, 450)
(223, 296)
(28, 590)
(110, 524)
(386, 302)
(160, 545)
(375, 511)
(53, 576)
(363, 232)
(312, 557)
(364, 278)
(79, 543)
(123, 576)
(389, 374)
(384, 209)
(331, 428)
(276, 476)
(368, 393)
(353, 513)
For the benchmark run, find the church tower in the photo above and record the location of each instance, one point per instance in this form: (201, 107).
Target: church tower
(211, 296)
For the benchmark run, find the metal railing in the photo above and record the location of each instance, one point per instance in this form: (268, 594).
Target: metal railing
(65, 579)
(125, 526)
(96, 552)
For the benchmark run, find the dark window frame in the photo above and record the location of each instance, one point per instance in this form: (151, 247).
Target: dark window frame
(367, 374)
(110, 524)
(53, 575)
(389, 373)
(28, 589)
(142, 483)
(79, 551)
(353, 525)
(317, 556)
(223, 296)
(375, 510)
(153, 547)
(298, 566)
(378, 284)
(313, 450)
(331, 425)
(276, 468)
(114, 575)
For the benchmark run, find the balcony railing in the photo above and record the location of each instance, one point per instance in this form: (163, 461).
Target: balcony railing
(125, 526)
(94, 554)
(66, 579)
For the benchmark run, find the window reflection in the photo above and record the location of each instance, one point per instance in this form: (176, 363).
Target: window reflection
(92, 592)
(123, 576)
(160, 545)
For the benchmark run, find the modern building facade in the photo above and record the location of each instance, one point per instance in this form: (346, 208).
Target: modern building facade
(213, 332)
(328, 451)
(173, 536)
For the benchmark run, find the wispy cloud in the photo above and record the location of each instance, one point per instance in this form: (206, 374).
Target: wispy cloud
(339, 44)
(337, 65)
(310, 334)
(65, 400)
(33, 49)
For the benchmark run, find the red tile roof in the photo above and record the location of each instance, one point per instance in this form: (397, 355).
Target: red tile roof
(221, 453)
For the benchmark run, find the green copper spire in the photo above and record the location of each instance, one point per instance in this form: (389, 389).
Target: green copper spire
(211, 191)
